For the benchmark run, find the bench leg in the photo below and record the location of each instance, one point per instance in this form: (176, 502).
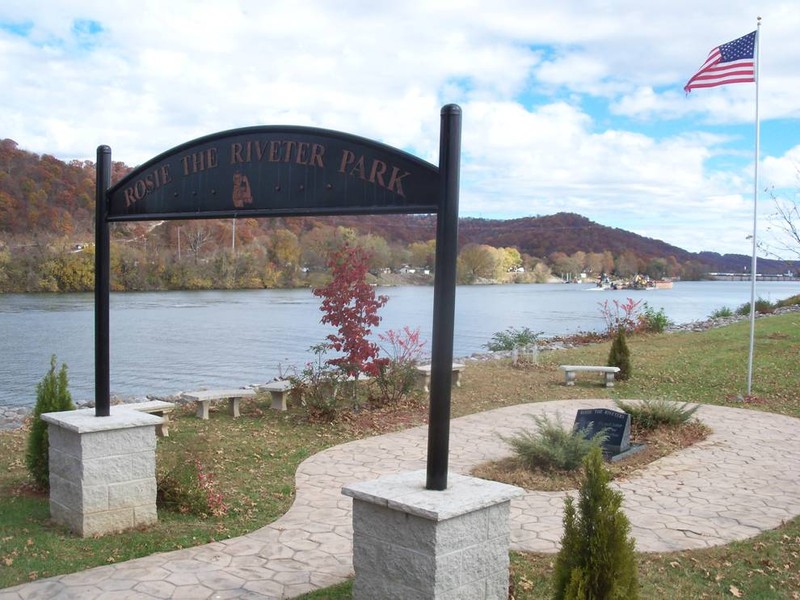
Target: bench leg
(609, 379)
(569, 377)
(163, 429)
(233, 407)
(202, 409)
(424, 382)
(457, 378)
(279, 400)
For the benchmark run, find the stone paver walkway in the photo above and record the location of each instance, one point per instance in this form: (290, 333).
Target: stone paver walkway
(745, 478)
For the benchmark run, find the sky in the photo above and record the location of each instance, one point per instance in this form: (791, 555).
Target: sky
(570, 106)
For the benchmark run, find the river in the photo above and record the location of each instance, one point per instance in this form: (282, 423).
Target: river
(166, 342)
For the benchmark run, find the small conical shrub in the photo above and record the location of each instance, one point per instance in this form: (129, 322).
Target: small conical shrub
(52, 395)
(620, 356)
(596, 560)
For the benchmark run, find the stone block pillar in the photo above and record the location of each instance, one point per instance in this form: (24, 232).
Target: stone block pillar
(102, 470)
(410, 543)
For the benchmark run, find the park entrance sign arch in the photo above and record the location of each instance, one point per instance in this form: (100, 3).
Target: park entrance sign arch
(274, 171)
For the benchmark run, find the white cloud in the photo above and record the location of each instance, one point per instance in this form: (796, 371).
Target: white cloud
(578, 71)
(571, 106)
(782, 171)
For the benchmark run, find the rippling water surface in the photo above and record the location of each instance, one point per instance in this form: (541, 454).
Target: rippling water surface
(167, 342)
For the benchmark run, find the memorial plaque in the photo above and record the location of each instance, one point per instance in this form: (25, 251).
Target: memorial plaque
(617, 425)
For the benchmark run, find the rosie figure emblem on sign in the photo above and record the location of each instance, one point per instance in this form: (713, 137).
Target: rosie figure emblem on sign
(241, 190)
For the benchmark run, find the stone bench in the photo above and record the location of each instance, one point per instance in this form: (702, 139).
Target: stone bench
(158, 408)
(204, 399)
(425, 376)
(279, 392)
(571, 370)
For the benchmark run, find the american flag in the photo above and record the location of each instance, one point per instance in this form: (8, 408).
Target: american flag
(729, 63)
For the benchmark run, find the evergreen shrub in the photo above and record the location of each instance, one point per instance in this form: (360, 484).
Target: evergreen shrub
(553, 447)
(597, 559)
(650, 414)
(620, 356)
(52, 395)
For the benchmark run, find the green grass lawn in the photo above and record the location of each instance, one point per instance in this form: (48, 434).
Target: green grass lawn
(254, 458)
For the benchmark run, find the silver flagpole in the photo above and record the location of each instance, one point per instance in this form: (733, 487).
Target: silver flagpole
(755, 218)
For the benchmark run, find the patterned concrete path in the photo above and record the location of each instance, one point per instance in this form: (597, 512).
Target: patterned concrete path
(743, 479)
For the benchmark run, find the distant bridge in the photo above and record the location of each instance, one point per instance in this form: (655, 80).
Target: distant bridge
(746, 277)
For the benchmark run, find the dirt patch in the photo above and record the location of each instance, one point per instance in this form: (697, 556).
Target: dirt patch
(376, 421)
(27, 490)
(745, 399)
(777, 336)
(658, 443)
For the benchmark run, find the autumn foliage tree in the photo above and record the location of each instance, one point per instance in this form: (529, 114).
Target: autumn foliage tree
(351, 305)
(47, 216)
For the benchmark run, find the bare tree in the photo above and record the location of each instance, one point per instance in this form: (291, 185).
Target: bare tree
(196, 235)
(784, 225)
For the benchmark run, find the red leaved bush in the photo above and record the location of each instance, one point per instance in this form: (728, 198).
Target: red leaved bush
(350, 305)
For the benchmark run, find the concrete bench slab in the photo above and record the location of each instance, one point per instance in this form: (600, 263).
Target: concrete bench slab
(279, 392)
(158, 408)
(570, 372)
(204, 398)
(425, 376)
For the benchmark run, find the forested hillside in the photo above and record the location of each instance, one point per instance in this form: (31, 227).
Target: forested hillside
(47, 233)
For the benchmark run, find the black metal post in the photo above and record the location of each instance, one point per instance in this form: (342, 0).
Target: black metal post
(102, 278)
(444, 298)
